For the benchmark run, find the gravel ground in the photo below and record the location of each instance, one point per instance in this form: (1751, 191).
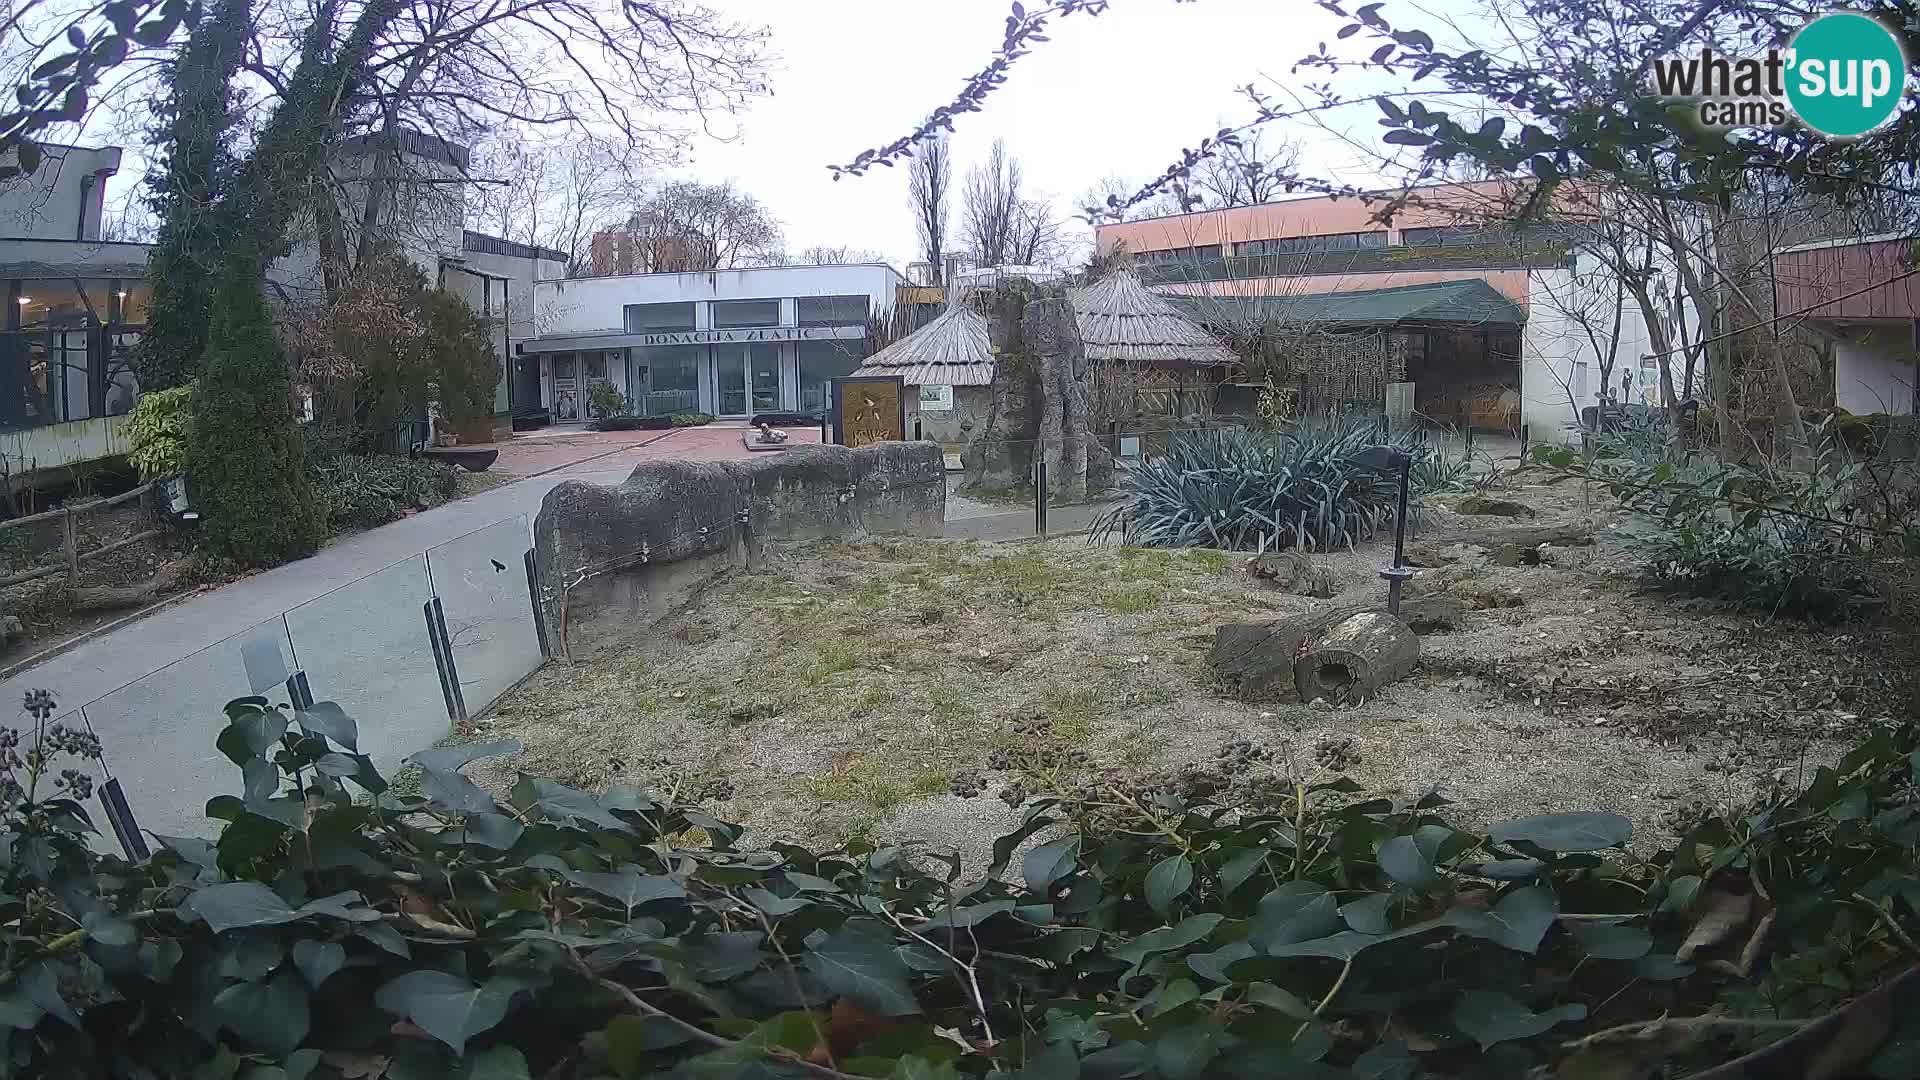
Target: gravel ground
(896, 691)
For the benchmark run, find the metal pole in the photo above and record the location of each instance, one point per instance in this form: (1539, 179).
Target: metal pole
(1398, 573)
(533, 593)
(1040, 490)
(443, 660)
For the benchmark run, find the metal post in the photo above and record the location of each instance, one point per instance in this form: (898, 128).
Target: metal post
(916, 428)
(1040, 490)
(443, 660)
(1398, 573)
(298, 691)
(120, 816)
(533, 593)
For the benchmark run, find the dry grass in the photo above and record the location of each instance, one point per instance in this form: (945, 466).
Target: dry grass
(842, 693)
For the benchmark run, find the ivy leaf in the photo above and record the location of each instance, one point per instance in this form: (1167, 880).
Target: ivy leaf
(1189, 930)
(454, 758)
(859, 961)
(631, 1038)
(1296, 911)
(1386, 1061)
(329, 719)
(1401, 859)
(272, 1016)
(1169, 878)
(1490, 1018)
(1050, 862)
(497, 831)
(250, 732)
(1213, 965)
(1184, 1053)
(232, 904)
(1504, 869)
(1566, 832)
(1518, 921)
(448, 1007)
(1369, 913)
(501, 1062)
(1283, 1001)
(628, 887)
(108, 929)
(561, 804)
(1606, 941)
(1235, 871)
(318, 959)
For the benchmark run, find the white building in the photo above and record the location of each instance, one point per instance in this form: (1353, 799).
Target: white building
(731, 343)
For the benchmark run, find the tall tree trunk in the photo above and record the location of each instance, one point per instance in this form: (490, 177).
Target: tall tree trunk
(1053, 337)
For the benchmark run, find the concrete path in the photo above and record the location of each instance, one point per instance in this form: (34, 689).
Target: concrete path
(352, 618)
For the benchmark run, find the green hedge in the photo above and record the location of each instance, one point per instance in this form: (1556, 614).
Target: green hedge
(337, 928)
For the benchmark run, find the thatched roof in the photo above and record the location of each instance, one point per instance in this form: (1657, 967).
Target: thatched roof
(1121, 320)
(951, 350)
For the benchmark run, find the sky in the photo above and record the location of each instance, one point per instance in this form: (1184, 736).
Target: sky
(1120, 93)
(1115, 94)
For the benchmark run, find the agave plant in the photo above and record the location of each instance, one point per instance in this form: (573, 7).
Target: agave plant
(1258, 491)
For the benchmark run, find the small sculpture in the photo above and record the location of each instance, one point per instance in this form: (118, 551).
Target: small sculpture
(769, 435)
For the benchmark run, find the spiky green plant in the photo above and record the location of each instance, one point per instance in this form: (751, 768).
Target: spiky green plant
(1248, 490)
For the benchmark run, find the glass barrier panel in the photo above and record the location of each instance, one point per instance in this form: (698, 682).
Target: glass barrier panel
(157, 733)
(481, 579)
(365, 647)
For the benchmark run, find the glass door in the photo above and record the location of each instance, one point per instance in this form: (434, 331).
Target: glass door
(595, 364)
(763, 362)
(566, 388)
(730, 379)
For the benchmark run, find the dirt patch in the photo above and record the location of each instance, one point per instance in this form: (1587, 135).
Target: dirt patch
(42, 605)
(893, 690)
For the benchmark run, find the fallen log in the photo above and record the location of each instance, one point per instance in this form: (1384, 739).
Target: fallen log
(1567, 534)
(1256, 660)
(115, 597)
(1351, 660)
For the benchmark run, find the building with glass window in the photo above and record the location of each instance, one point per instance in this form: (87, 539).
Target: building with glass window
(730, 343)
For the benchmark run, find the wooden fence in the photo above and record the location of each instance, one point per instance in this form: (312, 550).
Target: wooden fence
(70, 536)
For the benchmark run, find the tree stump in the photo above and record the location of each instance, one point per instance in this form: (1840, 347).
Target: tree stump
(1351, 660)
(1257, 661)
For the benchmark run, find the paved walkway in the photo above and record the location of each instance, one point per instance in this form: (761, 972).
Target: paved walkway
(351, 617)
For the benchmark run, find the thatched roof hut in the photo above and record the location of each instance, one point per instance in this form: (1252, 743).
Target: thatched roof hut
(1123, 321)
(952, 350)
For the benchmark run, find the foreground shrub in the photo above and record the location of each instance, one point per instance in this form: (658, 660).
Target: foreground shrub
(1772, 540)
(157, 432)
(1268, 490)
(362, 491)
(691, 419)
(338, 929)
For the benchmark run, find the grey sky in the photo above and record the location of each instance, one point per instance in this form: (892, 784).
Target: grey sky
(1119, 93)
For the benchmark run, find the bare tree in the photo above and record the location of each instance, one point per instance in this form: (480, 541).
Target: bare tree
(929, 190)
(1038, 236)
(825, 255)
(553, 196)
(991, 211)
(1107, 201)
(685, 225)
(1245, 173)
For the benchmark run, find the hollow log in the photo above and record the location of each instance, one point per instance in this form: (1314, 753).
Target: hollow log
(1351, 660)
(1256, 660)
(115, 597)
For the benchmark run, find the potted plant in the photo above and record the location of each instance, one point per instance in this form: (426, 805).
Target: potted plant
(157, 438)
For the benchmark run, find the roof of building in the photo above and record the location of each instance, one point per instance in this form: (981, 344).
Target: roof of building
(1473, 302)
(67, 270)
(1121, 320)
(952, 350)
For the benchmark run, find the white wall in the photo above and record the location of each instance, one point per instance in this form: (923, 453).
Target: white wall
(46, 205)
(507, 297)
(590, 305)
(423, 217)
(1554, 346)
(1873, 369)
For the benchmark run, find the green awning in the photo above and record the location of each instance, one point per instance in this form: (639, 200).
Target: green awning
(1472, 303)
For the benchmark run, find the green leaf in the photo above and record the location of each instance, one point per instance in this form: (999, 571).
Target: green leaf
(1049, 862)
(1518, 921)
(454, 792)
(1401, 859)
(1566, 832)
(1386, 1061)
(631, 1038)
(1606, 941)
(1504, 869)
(1661, 967)
(1184, 1053)
(1273, 997)
(318, 959)
(453, 758)
(501, 1062)
(251, 731)
(446, 1006)
(1235, 871)
(272, 1016)
(1348, 943)
(795, 1031)
(1296, 911)
(972, 915)
(233, 904)
(1213, 965)
(330, 720)
(108, 929)
(1168, 879)
(1369, 913)
(859, 960)
(1680, 893)
(497, 831)
(629, 887)
(1169, 996)
(1489, 1017)
(1189, 930)
(561, 804)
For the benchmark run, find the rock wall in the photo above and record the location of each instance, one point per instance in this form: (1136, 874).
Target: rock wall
(614, 559)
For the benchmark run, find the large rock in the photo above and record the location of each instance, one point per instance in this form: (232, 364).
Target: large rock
(611, 559)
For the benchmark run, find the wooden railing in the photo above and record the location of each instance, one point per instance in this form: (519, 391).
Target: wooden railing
(70, 536)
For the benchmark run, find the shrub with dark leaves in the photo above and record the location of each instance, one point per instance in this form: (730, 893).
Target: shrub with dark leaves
(1262, 490)
(338, 929)
(361, 491)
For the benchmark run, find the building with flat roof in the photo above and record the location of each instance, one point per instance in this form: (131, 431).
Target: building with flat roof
(729, 343)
